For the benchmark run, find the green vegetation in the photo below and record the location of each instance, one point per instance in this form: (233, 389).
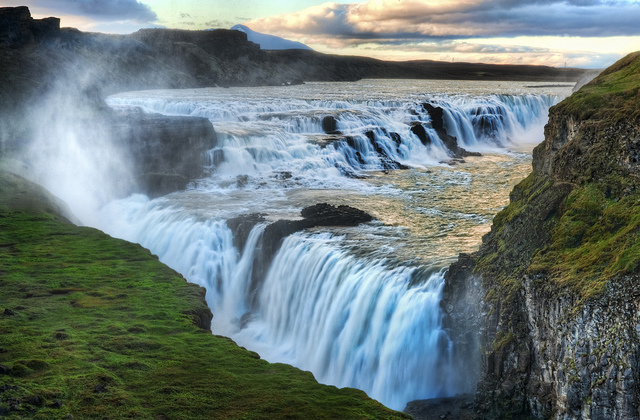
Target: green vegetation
(96, 327)
(596, 239)
(611, 97)
(577, 228)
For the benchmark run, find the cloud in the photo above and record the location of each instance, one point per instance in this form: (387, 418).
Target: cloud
(99, 10)
(432, 19)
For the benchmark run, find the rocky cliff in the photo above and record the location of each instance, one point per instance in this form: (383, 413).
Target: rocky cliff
(550, 304)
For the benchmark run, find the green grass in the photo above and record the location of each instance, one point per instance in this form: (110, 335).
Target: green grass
(596, 239)
(612, 96)
(101, 329)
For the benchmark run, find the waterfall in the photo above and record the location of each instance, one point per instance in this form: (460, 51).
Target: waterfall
(263, 137)
(352, 321)
(358, 307)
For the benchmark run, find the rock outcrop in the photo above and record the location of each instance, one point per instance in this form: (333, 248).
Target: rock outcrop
(167, 152)
(436, 114)
(19, 29)
(555, 286)
(321, 214)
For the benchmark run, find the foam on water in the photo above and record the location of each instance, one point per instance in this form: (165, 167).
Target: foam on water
(358, 307)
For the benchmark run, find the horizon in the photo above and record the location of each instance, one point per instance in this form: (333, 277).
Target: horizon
(590, 34)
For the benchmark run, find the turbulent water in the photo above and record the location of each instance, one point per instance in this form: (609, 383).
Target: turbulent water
(358, 307)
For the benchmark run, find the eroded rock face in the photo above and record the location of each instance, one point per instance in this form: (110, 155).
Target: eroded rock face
(18, 28)
(167, 152)
(437, 122)
(557, 337)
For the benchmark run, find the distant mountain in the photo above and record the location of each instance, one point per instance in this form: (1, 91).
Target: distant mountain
(270, 42)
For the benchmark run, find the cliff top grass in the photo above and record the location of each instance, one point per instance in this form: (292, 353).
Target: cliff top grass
(613, 95)
(95, 327)
(578, 227)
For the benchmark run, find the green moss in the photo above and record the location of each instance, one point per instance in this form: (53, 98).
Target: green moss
(595, 240)
(612, 96)
(102, 329)
(502, 340)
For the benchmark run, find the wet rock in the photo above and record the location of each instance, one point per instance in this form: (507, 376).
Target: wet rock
(322, 214)
(421, 133)
(387, 162)
(437, 122)
(325, 214)
(330, 125)
(241, 227)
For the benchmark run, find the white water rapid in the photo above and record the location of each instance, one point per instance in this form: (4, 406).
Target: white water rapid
(356, 306)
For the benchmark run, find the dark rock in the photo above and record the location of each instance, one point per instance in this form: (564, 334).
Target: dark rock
(460, 407)
(330, 125)
(8, 312)
(421, 133)
(4, 370)
(167, 152)
(13, 403)
(322, 214)
(241, 227)
(56, 404)
(217, 157)
(387, 162)
(437, 122)
(35, 400)
(100, 388)
(62, 336)
(242, 181)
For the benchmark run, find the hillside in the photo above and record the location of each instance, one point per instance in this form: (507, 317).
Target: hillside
(95, 327)
(559, 273)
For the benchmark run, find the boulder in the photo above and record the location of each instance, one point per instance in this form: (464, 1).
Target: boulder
(421, 133)
(330, 125)
(322, 214)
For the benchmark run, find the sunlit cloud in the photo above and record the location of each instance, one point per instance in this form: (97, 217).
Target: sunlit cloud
(415, 26)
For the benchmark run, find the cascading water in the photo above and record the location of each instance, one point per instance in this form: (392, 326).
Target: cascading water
(358, 307)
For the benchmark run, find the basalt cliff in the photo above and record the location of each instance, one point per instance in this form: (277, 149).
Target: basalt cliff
(550, 304)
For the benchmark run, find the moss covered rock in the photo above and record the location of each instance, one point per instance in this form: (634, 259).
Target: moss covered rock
(560, 269)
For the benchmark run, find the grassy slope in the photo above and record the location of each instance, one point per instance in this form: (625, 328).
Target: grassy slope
(99, 328)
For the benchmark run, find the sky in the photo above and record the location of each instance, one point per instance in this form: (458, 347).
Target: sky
(572, 33)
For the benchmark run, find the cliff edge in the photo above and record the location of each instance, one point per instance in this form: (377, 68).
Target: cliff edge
(550, 304)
